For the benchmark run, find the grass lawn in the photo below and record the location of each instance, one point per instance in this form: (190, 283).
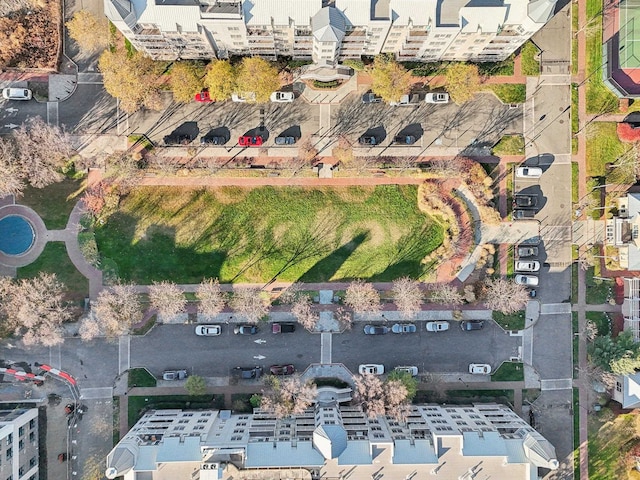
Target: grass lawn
(510, 92)
(575, 120)
(509, 372)
(137, 405)
(509, 186)
(609, 442)
(575, 341)
(256, 235)
(514, 321)
(510, 261)
(574, 39)
(601, 320)
(509, 145)
(575, 177)
(603, 147)
(53, 203)
(530, 66)
(140, 377)
(597, 290)
(54, 259)
(576, 434)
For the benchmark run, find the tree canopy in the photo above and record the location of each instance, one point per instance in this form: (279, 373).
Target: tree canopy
(257, 75)
(390, 79)
(620, 355)
(91, 33)
(220, 80)
(463, 81)
(186, 79)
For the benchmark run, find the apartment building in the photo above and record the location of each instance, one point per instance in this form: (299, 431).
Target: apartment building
(330, 31)
(19, 444)
(329, 440)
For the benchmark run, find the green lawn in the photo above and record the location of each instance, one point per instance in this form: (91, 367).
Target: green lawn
(576, 340)
(530, 66)
(510, 92)
(140, 377)
(576, 434)
(574, 39)
(603, 147)
(601, 320)
(514, 321)
(575, 120)
(54, 259)
(597, 290)
(509, 145)
(509, 372)
(255, 235)
(137, 405)
(575, 177)
(609, 442)
(53, 203)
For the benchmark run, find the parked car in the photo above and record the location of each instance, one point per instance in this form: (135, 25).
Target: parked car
(527, 266)
(470, 325)
(529, 172)
(408, 369)
(283, 327)
(183, 139)
(404, 328)
(439, 326)
(213, 141)
(404, 139)
(245, 329)
(525, 251)
(285, 140)
(208, 330)
(174, 375)
(282, 97)
(523, 214)
(479, 368)
(407, 100)
(525, 201)
(368, 140)
(244, 97)
(371, 97)
(16, 94)
(533, 293)
(203, 97)
(437, 97)
(375, 330)
(528, 280)
(282, 369)
(248, 373)
(371, 369)
(249, 141)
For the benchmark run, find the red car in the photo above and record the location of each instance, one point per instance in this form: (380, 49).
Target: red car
(203, 97)
(281, 369)
(249, 141)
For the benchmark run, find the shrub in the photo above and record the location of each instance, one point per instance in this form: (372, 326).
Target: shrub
(331, 84)
(357, 65)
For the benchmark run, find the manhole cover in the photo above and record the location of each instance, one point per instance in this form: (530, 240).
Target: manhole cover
(561, 121)
(562, 205)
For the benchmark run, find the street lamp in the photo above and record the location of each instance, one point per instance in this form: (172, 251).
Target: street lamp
(463, 382)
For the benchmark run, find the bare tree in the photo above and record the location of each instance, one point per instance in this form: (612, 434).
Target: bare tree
(344, 317)
(504, 295)
(291, 293)
(303, 312)
(290, 396)
(212, 298)
(117, 310)
(379, 398)
(251, 303)
(11, 176)
(446, 294)
(362, 297)
(306, 150)
(167, 298)
(34, 309)
(395, 396)
(89, 328)
(408, 296)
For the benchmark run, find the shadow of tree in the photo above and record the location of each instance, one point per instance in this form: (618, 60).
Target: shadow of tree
(326, 268)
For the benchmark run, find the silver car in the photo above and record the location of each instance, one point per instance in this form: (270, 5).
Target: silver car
(527, 266)
(174, 375)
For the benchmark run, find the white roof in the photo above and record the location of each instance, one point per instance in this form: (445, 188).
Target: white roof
(418, 11)
(176, 449)
(418, 452)
(358, 452)
(357, 12)
(631, 391)
(168, 16)
(490, 444)
(280, 12)
(485, 19)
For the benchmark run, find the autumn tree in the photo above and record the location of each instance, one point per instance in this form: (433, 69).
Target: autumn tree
(212, 298)
(288, 396)
(302, 310)
(307, 152)
(390, 79)
(505, 295)
(380, 398)
(251, 303)
(132, 79)
(167, 299)
(257, 75)
(220, 80)
(408, 296)
(117, 309)
(185, 80)
(361, 297)
(34, 308)
(12, 38)
(195, 385)
(91, 33)
(462, 81)
(446, 294)
(343, 152)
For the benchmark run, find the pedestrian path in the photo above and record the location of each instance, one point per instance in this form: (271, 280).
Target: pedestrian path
(556, 384)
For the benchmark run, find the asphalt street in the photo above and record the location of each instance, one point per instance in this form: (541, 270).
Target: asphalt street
(14, 114)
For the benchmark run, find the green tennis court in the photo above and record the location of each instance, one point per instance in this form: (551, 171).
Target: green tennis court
(630, 34)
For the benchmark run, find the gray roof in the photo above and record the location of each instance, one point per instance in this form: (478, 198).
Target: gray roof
(539, 451)
(448, 12)
(328, 25)
(122, 9)
(330, 440)
(358, 452)
(541, 10)
(122, 458)
(417, 452)
(490, 444)
(176, 449)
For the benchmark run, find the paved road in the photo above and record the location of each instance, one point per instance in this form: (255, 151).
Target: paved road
(13, 113)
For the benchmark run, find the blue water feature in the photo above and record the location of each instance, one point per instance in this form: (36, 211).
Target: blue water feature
(16, 235)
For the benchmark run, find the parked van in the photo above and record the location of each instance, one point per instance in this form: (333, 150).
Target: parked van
(16, 94)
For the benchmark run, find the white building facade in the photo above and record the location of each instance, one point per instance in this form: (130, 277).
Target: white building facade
(450, 442)
(19, 444)
(329, 32)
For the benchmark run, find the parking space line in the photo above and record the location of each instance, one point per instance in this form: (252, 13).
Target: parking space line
(94, 393)
(555, 308)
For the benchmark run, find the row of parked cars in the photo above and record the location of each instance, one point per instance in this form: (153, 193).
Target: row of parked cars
(525, 206)
(525, 265)
(413, 99)
(378, 369)
(435, 326)
(243, 329)
(276, 97)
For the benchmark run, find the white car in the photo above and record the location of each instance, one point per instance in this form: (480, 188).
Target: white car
(437, 97)
(528, 280)
(244, 97)
(208, 330)
(408, 369)
(17, 94)
(479, 368)
(527, 266)
(371, 369)
(529, 172)
(282, 97)
(439, 326)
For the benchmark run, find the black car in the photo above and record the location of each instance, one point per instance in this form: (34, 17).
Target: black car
(371, 98)
(283, 327)
(285, 140)
(375, 330)
(245, 329)
(213, 141)
(522, 214)
(404, 139)
(525, 201)
(178, 139)
(470, 325)
(248, 373)
(368, 140)
(524, 251)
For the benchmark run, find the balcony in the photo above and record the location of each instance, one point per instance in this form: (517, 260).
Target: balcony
(418, 33)
(358, 32)
(259, 33)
